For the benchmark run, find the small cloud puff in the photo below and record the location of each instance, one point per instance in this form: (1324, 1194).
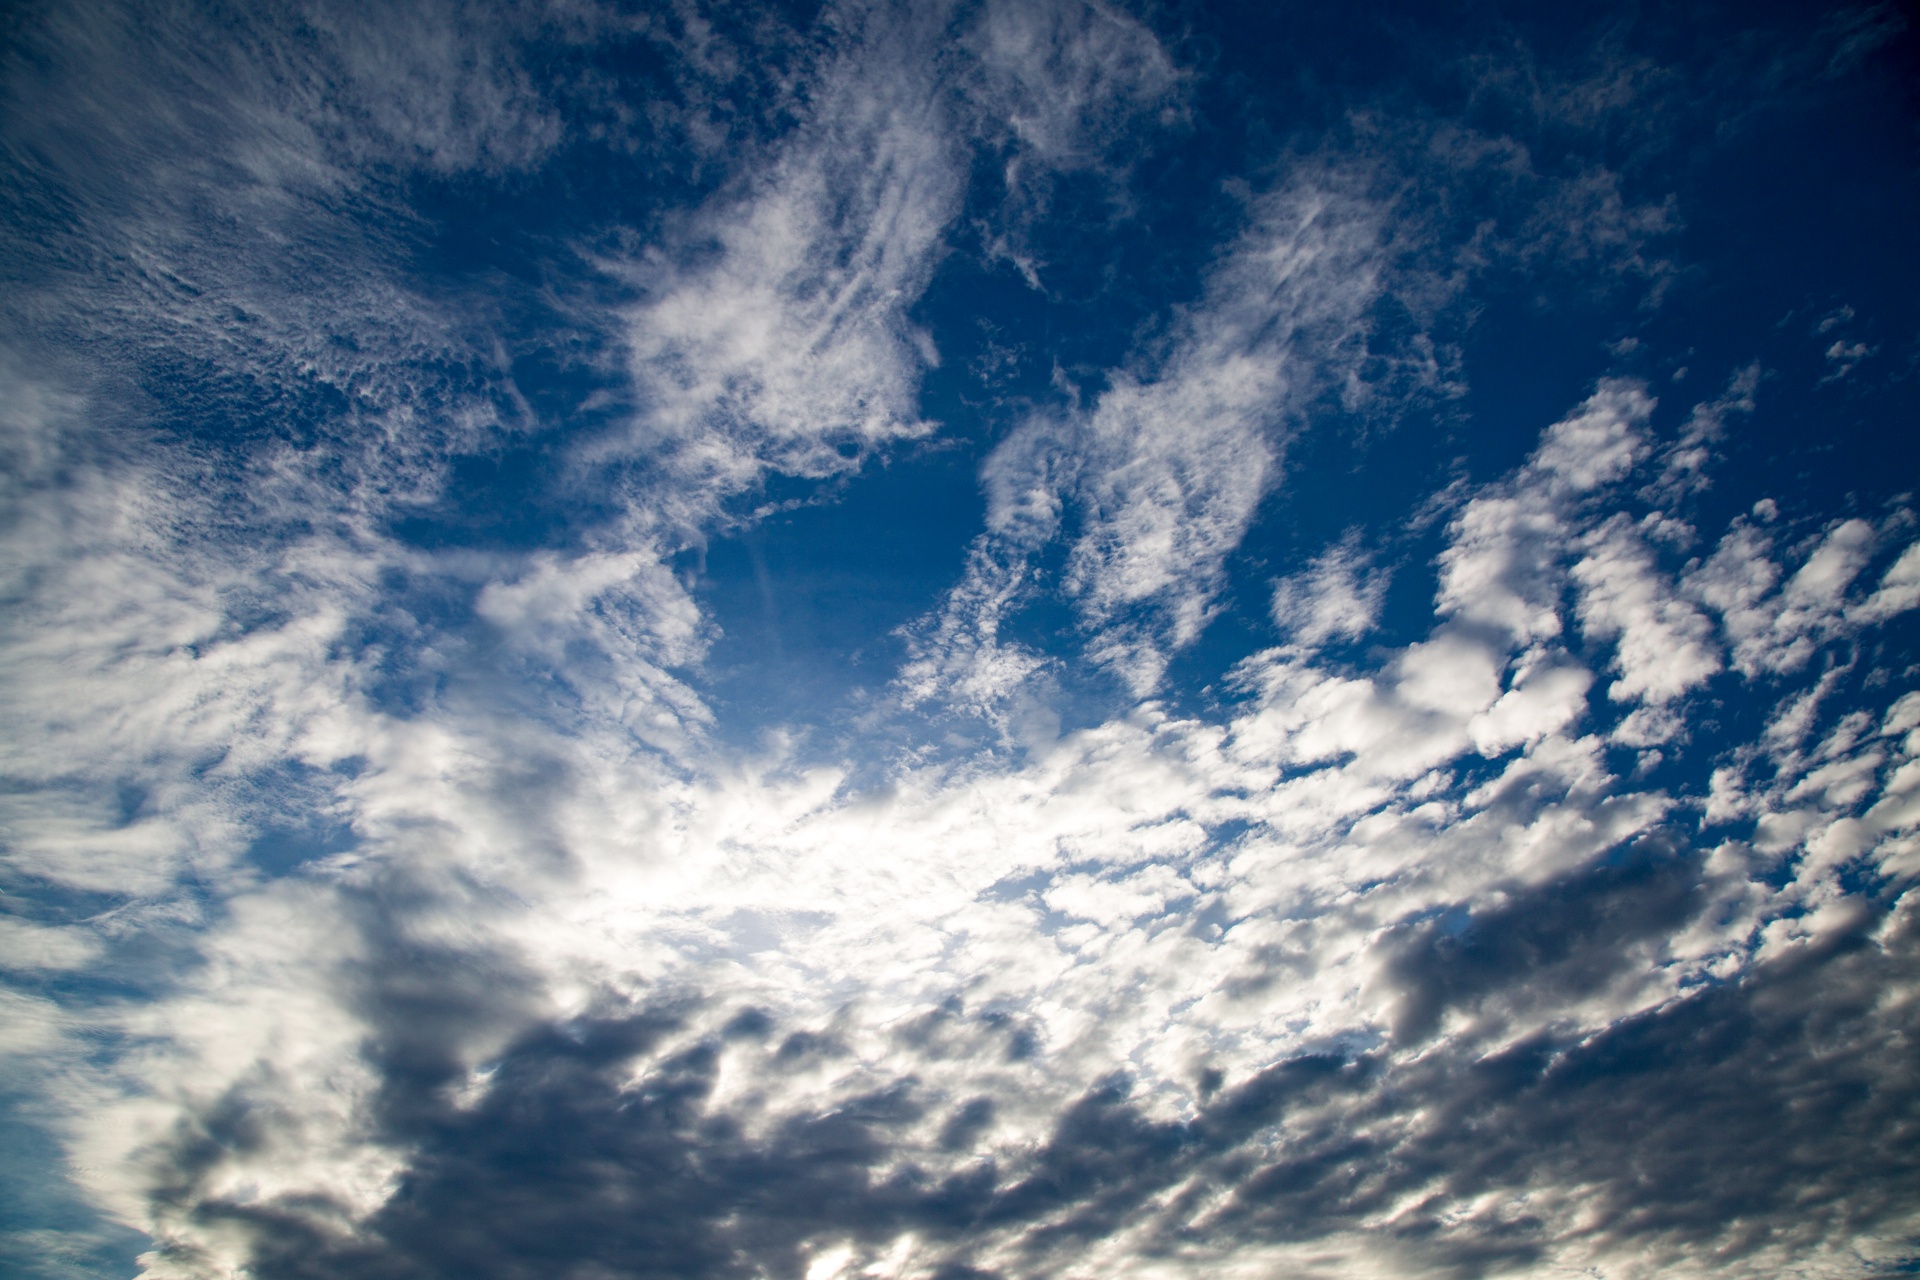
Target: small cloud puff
(1338, 597)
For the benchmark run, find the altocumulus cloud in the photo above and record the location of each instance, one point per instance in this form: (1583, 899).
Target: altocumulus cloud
(916, 640)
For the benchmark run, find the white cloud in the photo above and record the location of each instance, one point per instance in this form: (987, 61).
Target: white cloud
(1664, 646)
(1053, 88)
(1547, 695)
(792, 337)
(27, 946)
(1597, 445)
(1685, 461)
(958, 654)
(140, 702)
(1075, 887)
(1899, 590)
(1336, 598)
(1501, 569)
(1066, 78)
(1776, 626)
(1177, 462)
(1170, 464)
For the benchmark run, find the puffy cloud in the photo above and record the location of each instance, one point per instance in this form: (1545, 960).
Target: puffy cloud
(1136, 994)
(1501, 569)
(1899, 590)
(1775, 625)
(1664, 645)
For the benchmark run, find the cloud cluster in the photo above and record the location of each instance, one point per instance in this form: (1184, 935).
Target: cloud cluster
(1201, 992)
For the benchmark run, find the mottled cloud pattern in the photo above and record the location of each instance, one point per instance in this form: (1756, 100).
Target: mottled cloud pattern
(1406, 762)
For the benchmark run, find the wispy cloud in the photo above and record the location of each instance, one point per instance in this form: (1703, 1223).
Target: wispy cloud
(1166, 468)
(783, 338)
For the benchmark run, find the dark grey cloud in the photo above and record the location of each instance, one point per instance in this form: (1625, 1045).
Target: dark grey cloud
(1545, 945)
(1748, 1121)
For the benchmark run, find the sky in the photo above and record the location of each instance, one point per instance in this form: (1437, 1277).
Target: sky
(959, 640)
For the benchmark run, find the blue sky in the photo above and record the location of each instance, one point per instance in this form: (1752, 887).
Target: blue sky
(1042, 639)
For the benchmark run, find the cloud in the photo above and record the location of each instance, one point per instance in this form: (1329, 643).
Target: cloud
(389, 903)
(1168, 466)
(1664, 645)
(792, 338)
(1775, 625)
(1343, 286)
(958, 654)
(1844, 357)
(1899, 590)
(1685, 470)
(746, 1033)
(1336, 598)
(1477, 1160)
(140, 698)
(1067, 78)
(1178, 462)
(780, 324)
(1059, 91)
(1501, 569)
